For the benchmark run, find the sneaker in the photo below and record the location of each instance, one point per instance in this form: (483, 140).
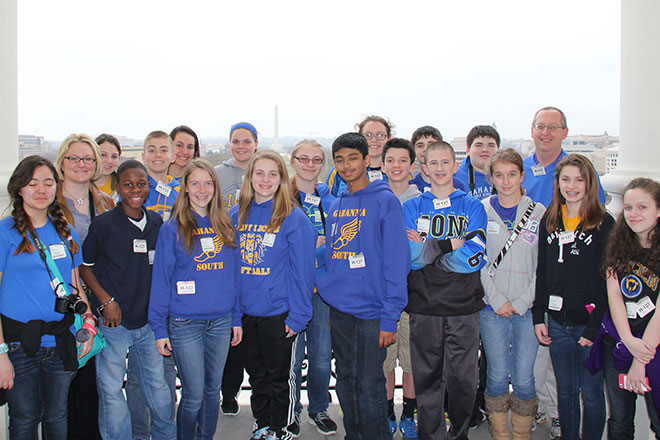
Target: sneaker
(294, 427)
(260, 434)
(447, 421)
(478, 417)
(230, 407)
(324, 424)
(408, 428)
(539, 419)
(392, 423)
(280, 434)
(555, 429)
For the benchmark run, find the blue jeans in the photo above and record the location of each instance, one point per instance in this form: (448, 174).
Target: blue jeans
(573, 378)
(360, 379)
(40, 394)
(200, 348)
(510, 346)
(319, 355)
(114, 418)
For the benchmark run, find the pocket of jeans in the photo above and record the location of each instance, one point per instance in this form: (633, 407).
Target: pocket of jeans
(179, 321)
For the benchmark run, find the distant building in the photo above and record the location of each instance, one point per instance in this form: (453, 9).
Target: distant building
(29, 145)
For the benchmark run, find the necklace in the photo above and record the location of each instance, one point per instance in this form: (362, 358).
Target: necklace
(79, 201)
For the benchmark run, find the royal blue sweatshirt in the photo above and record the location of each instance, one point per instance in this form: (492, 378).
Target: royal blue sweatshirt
(482, 187)
(276, 273)
(318, 214)
(213, 272)
(369, 223)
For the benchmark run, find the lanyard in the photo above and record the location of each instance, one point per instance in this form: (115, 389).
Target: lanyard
(44, 253)
(320, 207)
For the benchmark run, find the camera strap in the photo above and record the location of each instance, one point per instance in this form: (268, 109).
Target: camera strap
(61, 288)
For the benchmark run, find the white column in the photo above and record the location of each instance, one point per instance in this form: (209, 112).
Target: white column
(8, 98)
(639, 153)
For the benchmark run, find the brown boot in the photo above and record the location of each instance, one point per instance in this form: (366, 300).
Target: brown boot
(522, 413)
(498, 416)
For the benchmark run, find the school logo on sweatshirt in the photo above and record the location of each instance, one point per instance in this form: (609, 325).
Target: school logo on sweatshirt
(631, 286)
(252, 248)
(347, 233)
(210, 248)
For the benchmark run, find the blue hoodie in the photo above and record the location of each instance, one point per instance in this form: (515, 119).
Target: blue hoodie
(318, 220)
(422, 184)
(368, 222)
(336, 184)
(481, 186)
(276, 276)
(213, 272)
(160, 203)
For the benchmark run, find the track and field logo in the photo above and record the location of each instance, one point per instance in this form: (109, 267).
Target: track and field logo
(347, 233)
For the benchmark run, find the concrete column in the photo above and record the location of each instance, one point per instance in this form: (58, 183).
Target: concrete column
(639, 153)
(8, 97)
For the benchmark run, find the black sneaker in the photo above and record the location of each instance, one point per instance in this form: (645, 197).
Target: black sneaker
(294, 427)
(324, 424)
(230, 407)
(478, 417)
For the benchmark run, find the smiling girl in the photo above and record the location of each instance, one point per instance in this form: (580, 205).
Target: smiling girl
(186, 148)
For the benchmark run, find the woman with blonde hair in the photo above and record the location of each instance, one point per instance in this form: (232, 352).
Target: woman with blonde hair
(276, 282)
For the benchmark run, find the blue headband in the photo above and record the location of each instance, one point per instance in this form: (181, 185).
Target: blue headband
(244, 125)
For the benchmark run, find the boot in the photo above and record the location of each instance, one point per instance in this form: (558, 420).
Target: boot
(522, 414)
(498, 415)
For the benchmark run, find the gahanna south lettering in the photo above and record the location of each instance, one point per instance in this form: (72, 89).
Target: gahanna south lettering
(361, 212)
(449, 226)
(253, 249)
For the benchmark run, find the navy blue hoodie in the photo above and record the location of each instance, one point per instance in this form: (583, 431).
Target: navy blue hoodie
(276, 277)
(368, 222)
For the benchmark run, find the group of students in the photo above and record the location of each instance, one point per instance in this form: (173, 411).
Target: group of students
(375, 266)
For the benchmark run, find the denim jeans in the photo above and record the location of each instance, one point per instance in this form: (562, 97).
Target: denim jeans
(360, 379)
(200, 348)
(621, 424)
(114, 418)
(319, 355)
(573, 378)
(40, 393)
(510, 346)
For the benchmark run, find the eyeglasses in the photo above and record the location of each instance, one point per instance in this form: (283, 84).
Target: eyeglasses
(76, 159)
(305, 159)
(379, 136)
(551, 128)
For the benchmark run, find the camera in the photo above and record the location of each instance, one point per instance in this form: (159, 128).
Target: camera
(70, 303)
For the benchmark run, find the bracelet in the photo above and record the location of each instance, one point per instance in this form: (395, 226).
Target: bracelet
(90, 316)
(108, 302)
(90, 328)
(4, 348)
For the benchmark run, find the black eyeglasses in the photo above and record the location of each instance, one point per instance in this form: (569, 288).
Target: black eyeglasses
(379, 136)
(76, 159)
(305, 159)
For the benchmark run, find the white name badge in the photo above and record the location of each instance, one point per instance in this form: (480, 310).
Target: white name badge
(314, 200)
(427, 189)
(356, 261)
(166, 215)
(140, 246)
(57, 287)
(115, 197)
(185, 287)
(645, 306)
(207, 244)
(441, 203)
(538, 170)
(493, 228)
(334, 229)
(317, 217)
(375, 175)
(269, 239)
(566, 237)
(631, 310)
(238, 194)
(423, 225)
(57, 251)
(163, 189)
(555, 303)
(151, 255)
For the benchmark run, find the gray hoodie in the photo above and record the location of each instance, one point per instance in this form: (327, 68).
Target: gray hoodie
(515, 278)
(231, 178)
(410, 193)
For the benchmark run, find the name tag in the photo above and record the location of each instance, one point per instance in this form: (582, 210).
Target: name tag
(441, 203)
(427, 189)
(493, 228)
(57, 287)
(375, 175)
(185, 287)
(269, 239)
(566, 237)
(314, 200)
(423, 225)
(238, 194)
(356, 261)
(555, 303)
(57, 251)
(115, 197)
(207, 244)
(317, 217)
(334, 229)
(631, 310)
(538, 170)
(645, 306)
(151, 255)
(163, 189)
(140, 246)
(166, 215)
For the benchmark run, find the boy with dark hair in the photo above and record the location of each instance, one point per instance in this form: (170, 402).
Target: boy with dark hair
(367, 261)
(482, 142)
(118, 256)
(421, 139)
(398, 163)
(447, 232)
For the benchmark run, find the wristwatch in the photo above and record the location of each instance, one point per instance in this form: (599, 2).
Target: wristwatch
(4, 348)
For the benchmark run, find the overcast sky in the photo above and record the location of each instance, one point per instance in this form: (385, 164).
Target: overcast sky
(130, 67)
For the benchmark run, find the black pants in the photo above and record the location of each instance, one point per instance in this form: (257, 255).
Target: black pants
(84, 405)
(232, 378)
(446, 360)
(269, 356)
